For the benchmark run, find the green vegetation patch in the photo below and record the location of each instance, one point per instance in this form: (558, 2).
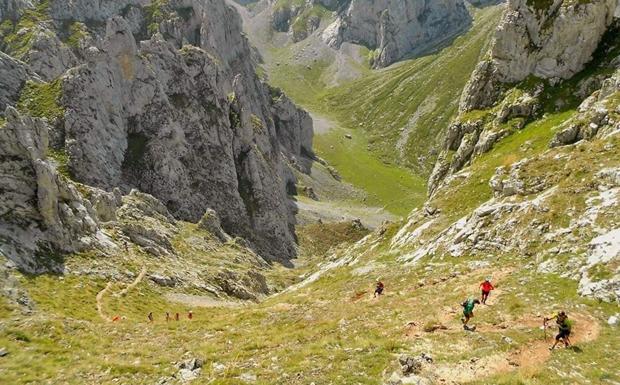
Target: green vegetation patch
(317, 239)
(76, 33)
(18, 37)
(61, 158)
(155, 13)
(42, 100)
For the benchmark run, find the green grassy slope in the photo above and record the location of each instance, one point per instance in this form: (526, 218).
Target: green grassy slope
(376, 108)
(330, 332)
(417, 98)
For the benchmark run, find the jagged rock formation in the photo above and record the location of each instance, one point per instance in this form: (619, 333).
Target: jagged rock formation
(397, 28)
(547, 40)
(531, 208)
(13, 76)
(598, 115)
(158, 96)
(551, 43)
(301, 19)
(392, 29)
(41, 210)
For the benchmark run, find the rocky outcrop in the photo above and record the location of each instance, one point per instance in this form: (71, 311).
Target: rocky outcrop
(13, 9)
(147, 223)
(550, 40)
(300, 19)
(294, 131)
(553, 41)
(43, 214)
(598, 115)
(210, 222)
(397, 28)
(163, 97)
(13, 76)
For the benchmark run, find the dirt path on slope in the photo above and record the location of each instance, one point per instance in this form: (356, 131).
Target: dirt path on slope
(447, 316)
(135, 283)
(530, 355)
(99, 299)
(108, 287)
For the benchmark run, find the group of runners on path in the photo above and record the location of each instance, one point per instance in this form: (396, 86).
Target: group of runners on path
(177, 316)
(561, 319)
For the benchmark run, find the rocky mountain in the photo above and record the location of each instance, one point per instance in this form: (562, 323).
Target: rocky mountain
(552, 43)
(145, 181)
(394, 29)
(101, 98)
(391, 29)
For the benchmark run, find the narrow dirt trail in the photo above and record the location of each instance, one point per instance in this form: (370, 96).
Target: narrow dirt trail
(132, 285)
(531, 355)
(123, 292)
(100, 302)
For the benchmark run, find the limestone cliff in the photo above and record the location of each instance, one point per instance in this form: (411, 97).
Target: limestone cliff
(552, 41)
(159, 96)
(392, 29)
(397, 28)
(536, 53)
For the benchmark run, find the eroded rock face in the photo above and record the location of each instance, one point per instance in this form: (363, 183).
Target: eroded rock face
(12, 9)
(169, 103)
(397, 28)
(598, 115)
(41, 209)
(553, 41)
(13, 76)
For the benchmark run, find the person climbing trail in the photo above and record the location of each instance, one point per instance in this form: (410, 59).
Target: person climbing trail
(379, 289)
(190, 315)
(176, 316)
(564, 327)
(167, 317)
(486, 288)
(150, 317)
(468, 312)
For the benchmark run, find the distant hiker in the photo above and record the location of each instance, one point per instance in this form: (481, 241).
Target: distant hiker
(176, 317)
(468, 311)
(486, 288)
(379, 289)
(190, 315)
(564, 327)
(126, 245)
(150, 317)
(167, 317)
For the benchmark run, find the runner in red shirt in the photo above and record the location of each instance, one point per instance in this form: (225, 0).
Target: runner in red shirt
(486, 287)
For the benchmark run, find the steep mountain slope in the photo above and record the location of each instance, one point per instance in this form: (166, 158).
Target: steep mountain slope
(390, 29)
(552, 43)
(536, 212)
(180, 115)
(405, 107)
(408, 106)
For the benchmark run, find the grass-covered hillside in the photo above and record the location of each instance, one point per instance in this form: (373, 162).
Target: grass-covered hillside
(395, 117)
(541, 220)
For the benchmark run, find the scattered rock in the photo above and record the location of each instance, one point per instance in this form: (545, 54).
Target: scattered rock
(248, 377)
(210, 222)
(162, 280)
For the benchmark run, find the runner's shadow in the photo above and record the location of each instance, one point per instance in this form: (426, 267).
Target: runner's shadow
(576, 349)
